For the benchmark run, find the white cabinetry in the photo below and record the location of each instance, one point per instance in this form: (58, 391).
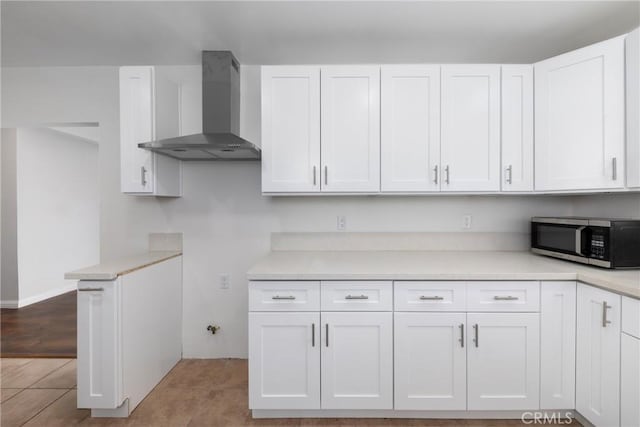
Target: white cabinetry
(558, 345)
(632, 56)
(629, 381)
(430, 361)
(598, 356)
(149, 105)
(284, 360)
(580, 119)
(290, 129)
(470, 144)
(410, 128)
(517, 127)
(503, 361)
(350, 128)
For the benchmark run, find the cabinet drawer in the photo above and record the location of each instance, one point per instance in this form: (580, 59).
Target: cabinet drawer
(631, 316)
(503, 296)
(357, 296)
(284, 296)
(430, 296)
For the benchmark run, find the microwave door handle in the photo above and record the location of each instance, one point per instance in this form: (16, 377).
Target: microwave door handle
(579, 231)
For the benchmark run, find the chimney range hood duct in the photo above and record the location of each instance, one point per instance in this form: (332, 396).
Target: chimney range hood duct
(219, 139)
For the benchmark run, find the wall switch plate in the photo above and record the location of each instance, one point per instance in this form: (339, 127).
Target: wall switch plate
(341, 223)
(466, 222)
(225, 281)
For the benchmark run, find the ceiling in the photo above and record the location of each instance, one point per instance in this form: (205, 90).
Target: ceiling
(54, 33)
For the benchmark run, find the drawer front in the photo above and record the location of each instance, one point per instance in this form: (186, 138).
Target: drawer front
(503, 296)
(284, 296)
(631, 316)
(430, 296)
(357, 296)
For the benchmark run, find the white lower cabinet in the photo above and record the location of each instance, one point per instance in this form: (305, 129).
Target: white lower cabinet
(284, 360)
(430, 361)
(357, 360)
(630, 381)
(598, 356)
(503, 361)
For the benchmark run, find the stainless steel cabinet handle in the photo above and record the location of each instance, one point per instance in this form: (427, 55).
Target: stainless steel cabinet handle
(326, 334)
(462, 335)
(91, 290)
(507, 298)
(313, 335)
(446, 174)
(434, 298)
(326, 174)
(476, 339)
(614, 168)
(510, 174)
(314, 176)
(143, 176)
(356, 297)
(435, 174)
(605, 306)
(278, 297)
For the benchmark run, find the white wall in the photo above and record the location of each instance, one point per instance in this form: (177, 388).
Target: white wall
(608, 205)
(225, 220)
(58, 210)
(8, 227)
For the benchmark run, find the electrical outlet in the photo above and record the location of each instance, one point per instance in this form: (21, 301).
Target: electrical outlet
(466, 222)
(341, 223)
(225, 281)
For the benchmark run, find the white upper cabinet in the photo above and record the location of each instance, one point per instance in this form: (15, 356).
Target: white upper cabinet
(580, 119)
(632, 55)
(470, 149)
(350, 128)
(149, 106)
(290, 129)
(517, 127)
(410, 128)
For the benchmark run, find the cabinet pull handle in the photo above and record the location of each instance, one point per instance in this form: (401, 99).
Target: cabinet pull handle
(278, 297)
(507, 298)
(462, 335)
(435, 174)
(510, 174)
(314, 176)
(614, 168)
(356, 297)
(143, 176)
(326, 334)
(313, 335)
(605, 306)
(326, 174)
(476, 338)
(91, 290)
(446, 174)
(434, 298)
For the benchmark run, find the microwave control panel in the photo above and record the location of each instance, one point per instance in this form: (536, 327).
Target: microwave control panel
(598, 247)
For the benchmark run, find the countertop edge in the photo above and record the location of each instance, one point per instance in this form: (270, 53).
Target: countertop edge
(129, 265)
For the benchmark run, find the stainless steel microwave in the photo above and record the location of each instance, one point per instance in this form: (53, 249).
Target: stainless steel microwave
(608, 243)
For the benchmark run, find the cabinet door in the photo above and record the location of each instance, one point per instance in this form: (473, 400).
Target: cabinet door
(99, 345)
(558, 345)
(284, 361)
(350, 129)
(137, 124)
(632, 61)
(630, 381)
(290, 129)
(430, 361)
(410, 128)
(580, 121)
(503, 361)
(357, 360)
(598, 356)
(517, 127)
(470, 149)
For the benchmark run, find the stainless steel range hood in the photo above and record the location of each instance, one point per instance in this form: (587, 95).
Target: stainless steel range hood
(219, 139)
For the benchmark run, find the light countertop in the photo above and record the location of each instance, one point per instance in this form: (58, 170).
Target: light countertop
(437, 265)
(110, 270)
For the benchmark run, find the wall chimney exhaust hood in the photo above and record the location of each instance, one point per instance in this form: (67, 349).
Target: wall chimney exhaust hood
(219, 139)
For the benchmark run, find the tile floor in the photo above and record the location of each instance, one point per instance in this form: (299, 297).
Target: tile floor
(41, 392)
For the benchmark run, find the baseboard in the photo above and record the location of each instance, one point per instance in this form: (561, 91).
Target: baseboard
(23, 302)
(10, 303)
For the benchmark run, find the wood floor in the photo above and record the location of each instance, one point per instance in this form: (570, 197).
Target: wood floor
(41, 392)
(44, 329)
